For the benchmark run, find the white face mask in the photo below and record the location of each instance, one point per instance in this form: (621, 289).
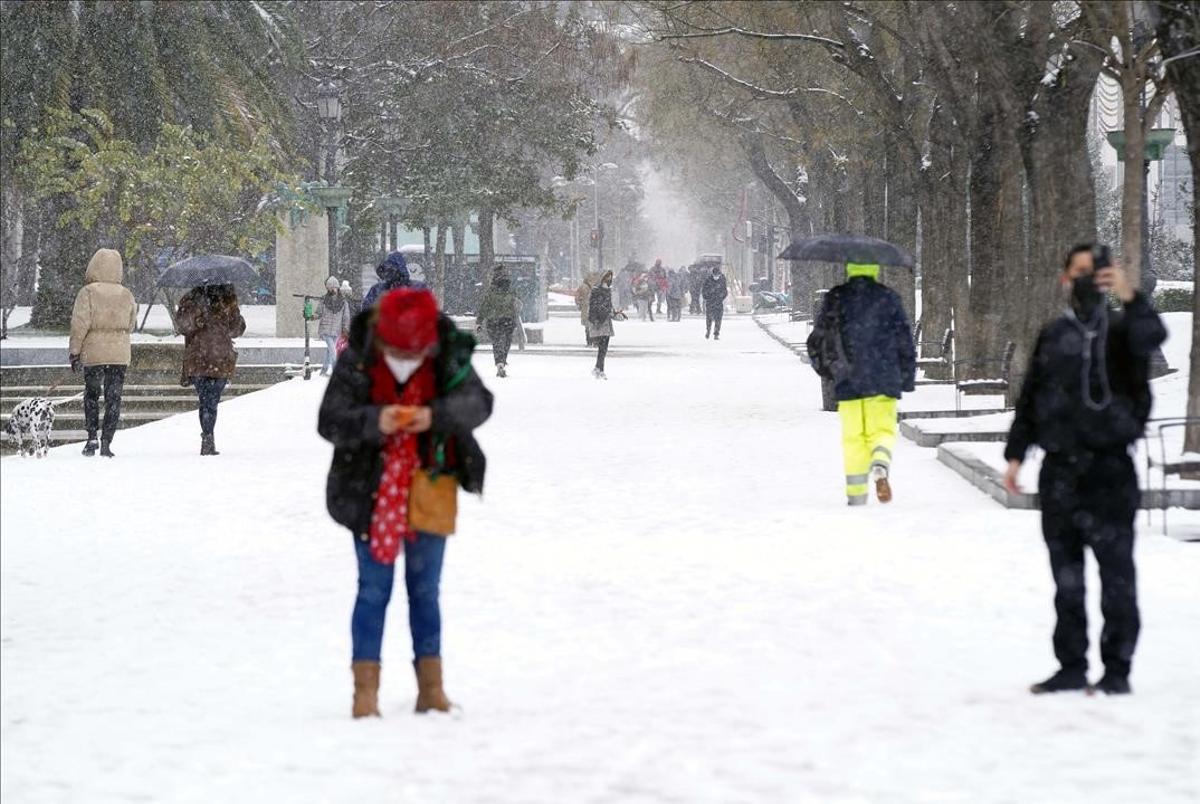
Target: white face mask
(401, 368)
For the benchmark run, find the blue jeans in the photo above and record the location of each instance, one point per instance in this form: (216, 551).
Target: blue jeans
(330, 352)
(209, 389)
(422, 575)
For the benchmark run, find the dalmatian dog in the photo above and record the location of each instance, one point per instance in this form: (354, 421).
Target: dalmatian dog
(31, 423)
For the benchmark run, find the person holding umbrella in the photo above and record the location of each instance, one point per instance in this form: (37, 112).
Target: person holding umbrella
(209, 319)
(862, 342)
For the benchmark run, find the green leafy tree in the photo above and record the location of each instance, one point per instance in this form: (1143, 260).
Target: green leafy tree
(186, 195)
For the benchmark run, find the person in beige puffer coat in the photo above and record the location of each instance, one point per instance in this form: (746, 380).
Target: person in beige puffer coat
(104, 314)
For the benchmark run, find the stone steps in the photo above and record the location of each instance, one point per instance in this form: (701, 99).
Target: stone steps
(990, 481)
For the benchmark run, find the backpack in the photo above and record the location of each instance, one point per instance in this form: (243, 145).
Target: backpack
(826, 351)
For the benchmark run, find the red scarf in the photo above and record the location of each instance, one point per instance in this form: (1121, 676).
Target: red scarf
(389, 522)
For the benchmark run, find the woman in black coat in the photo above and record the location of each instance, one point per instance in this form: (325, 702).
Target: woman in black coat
(400, 409)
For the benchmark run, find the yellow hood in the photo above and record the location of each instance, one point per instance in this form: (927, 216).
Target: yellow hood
(105, 266)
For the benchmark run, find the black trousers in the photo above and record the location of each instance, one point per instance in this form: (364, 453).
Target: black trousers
(209, 390)
(1091, 499)
(601, 351)
(713, 315)
(694, 305)
(501, 332)
(112, 378)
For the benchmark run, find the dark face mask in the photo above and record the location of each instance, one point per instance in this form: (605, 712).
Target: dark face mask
(1086, 298)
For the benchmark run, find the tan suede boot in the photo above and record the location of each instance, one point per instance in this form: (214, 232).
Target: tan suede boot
(430, 695)
(366, 689)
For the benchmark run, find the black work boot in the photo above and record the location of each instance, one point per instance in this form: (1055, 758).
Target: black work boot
(208, 444)
(1062, 681)
(89, 449)
(1112, 684)
(106, 448)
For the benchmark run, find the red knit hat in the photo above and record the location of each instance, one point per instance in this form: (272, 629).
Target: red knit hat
(408, 319)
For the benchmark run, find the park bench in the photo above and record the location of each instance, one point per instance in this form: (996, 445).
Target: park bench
(938, 357)
(998, 384)
(1177, 465)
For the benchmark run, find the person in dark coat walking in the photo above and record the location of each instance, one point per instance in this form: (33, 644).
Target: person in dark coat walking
(393, 273)
(209, 319)
(600, 318)
(1085, 400)
(400, 410)
(500, 313)
(714, 291)
(862, 342)
(676, 288)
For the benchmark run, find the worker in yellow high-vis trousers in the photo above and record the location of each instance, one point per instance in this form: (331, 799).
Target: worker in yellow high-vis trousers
(862, 342)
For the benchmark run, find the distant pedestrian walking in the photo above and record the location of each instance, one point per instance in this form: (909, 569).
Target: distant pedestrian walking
(393, 273)
(400, 411)
(583, 298)
(643, 296)
(334, 323)
(676, 288)
(500, 313)
(600, 318)
(1085, 399)
(862, 342)
(348, 295)
(209, 319)
(101, 320)
(624, 287)
(714, 291)
(658, 278)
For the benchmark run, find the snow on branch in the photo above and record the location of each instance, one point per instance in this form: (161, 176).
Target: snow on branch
(783, 37)
(763, 92)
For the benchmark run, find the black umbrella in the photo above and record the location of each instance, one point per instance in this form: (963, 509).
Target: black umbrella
(208, 269)
(847, 248)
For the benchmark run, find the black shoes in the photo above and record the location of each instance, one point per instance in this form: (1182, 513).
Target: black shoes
(1062, 681)
(1111, 684)
(106, 449)
(208, 444)
(89, 449)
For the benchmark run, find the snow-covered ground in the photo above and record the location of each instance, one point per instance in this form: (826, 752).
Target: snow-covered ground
(662, 597)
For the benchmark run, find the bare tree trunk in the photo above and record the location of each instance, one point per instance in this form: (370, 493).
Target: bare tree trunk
(1134, 186)
(439, 263)
(997, 252)
(802, 279)
(487, 247)
(901, 225)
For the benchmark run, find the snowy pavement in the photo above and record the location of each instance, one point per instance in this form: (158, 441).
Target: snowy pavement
(662, 598)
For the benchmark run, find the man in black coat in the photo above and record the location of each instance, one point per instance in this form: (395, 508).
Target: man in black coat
(715, 290)
(1085, 399)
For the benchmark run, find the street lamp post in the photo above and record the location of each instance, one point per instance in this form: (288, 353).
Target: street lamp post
(329, 109)
(598, 229)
